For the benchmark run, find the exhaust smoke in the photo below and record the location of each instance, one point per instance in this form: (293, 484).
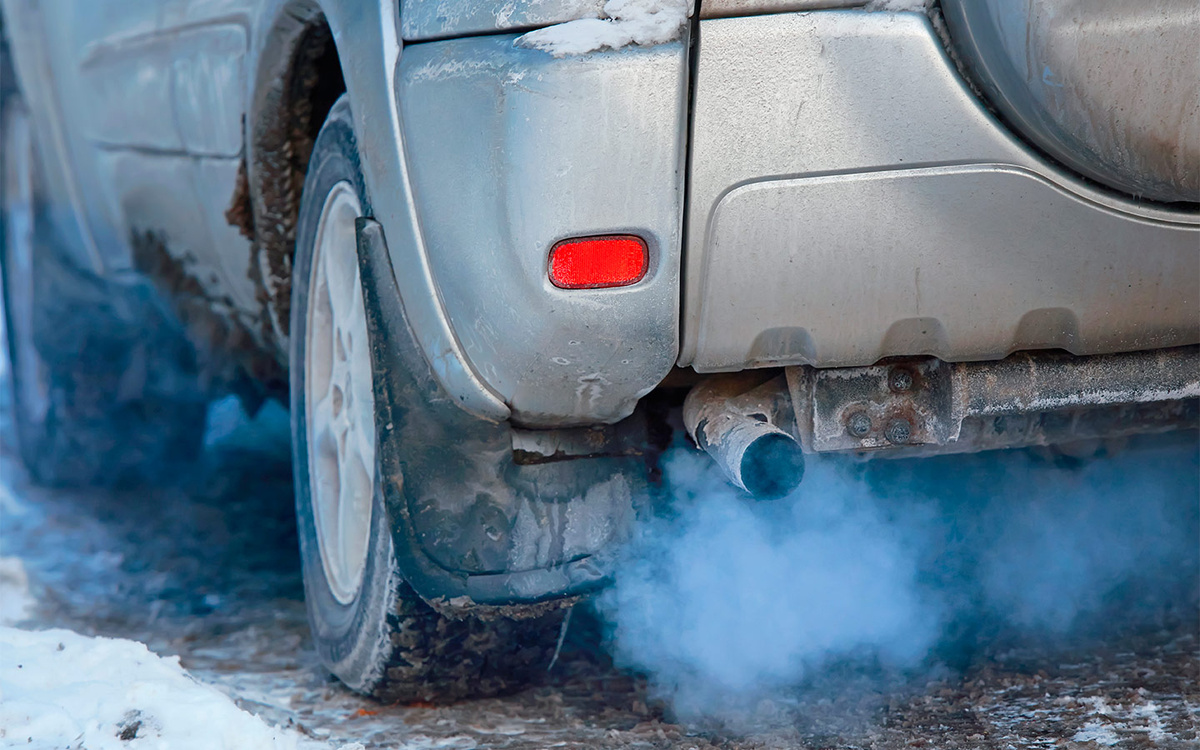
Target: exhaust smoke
(897, 567)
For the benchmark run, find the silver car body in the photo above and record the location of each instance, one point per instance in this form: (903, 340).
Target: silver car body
(849, 195)
(871, 206)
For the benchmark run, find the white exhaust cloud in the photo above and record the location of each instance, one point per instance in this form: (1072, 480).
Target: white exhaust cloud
(725, 601)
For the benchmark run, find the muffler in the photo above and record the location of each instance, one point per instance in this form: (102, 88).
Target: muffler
(735, 419)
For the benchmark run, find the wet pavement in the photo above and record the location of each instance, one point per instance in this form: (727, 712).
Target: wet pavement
(208, 569)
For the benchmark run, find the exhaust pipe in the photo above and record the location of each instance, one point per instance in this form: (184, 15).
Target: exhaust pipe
(733, 419)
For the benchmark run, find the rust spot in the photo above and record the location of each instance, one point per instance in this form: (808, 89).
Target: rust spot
(905, 379)
(240, 213)
(231, 358)
(905, 411)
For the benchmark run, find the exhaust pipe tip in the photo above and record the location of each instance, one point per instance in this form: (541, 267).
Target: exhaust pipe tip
(772, 466)
(731, 419)
(755, 456)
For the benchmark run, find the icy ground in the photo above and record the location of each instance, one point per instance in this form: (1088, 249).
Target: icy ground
(206, 570)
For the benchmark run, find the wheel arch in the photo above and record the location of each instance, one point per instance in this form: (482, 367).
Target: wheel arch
(296, 76)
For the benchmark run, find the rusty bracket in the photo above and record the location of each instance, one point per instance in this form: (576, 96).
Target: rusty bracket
(625, 438)
(1029, 398)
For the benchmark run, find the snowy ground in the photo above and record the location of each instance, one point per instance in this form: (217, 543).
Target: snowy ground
(62, 689)
(205, 574)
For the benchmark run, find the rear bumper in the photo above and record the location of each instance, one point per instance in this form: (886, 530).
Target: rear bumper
(511, 150)
(851, 199)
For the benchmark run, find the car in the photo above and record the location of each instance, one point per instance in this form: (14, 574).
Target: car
(497, 256)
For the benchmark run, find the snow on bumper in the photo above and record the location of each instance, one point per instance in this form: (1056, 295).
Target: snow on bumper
(641, 22)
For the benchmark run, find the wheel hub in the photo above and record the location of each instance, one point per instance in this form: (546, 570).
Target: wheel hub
(339, 400)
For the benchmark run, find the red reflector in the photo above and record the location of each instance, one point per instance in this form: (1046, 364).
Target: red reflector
(598, 262)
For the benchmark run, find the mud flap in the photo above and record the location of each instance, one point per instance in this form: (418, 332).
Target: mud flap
(470, 526)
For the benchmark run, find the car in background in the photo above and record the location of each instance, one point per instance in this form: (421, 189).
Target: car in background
(482, 249)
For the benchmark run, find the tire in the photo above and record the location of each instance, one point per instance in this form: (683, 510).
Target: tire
(102, 383)
(370, 628)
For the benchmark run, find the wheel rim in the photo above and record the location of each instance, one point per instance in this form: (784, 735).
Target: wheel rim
(29, 374)
(339, 400)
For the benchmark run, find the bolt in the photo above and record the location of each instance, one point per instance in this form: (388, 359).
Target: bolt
(898, 431)
(858, 424)
(900, 380)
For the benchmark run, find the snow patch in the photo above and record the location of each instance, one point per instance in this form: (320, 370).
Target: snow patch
(62, 689)
(421, 742)
(642, 22)
(1114, 720)
(1094, 731)
(1154, 725)
(16, 603)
